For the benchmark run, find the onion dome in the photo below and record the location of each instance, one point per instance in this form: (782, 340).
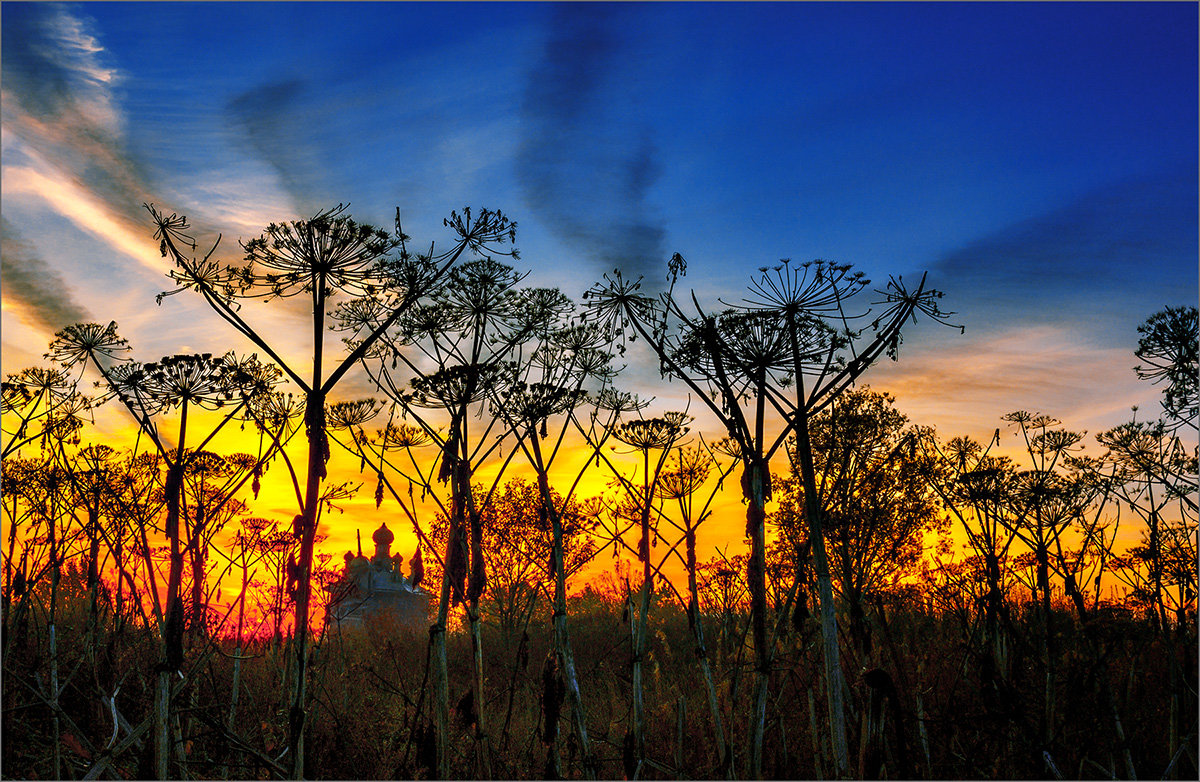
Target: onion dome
(383, 536)
(357, 567)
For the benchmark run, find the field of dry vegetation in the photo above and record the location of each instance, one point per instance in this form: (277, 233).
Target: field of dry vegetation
(956, 714)
(893, 604)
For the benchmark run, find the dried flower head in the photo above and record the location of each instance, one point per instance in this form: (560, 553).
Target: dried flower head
(82, 341)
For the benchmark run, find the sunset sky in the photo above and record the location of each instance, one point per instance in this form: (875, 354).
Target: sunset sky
(1039, 160)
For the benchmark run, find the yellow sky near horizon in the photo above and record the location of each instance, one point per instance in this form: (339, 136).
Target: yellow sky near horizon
(276, 501)
(961, 385)
(1053, 202)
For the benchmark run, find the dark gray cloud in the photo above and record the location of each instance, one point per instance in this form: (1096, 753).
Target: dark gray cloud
(1116, 251)
(43, 297)
(584, 167)
(60, 101)
(33, 63)
(280, 126)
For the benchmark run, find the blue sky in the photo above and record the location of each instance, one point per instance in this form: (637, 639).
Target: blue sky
(1038, 159)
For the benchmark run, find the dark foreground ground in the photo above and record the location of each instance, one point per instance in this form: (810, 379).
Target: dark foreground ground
(952, 704)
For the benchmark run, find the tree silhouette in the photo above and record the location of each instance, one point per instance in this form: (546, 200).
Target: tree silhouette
(874, 497)
(518, 542)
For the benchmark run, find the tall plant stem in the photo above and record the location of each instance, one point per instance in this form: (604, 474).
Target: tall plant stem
(441, 671)
(696, 625)
(481, 736)
(758, 478)
(55, 574)
(643, 616)
(562, 636)
(237, 662)
(314, 414)
(1043, 577)
(172, 637)
(466, 500)
(834, 684)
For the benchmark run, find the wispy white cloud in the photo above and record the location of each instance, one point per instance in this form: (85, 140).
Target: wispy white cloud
(60, 102)
(68, 196)
(236, 199)
(61, 67)
(963, 385)
(66, 154)
(69, 180)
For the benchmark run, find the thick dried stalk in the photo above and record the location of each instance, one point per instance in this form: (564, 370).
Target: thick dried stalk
(172, 630)
(562, 636)
(724, 754)
(755, 516)
(818, 747)
(477, 579)
(834, 682)
(481, 736)
(636, 686)
(680, 720)
(441, 672)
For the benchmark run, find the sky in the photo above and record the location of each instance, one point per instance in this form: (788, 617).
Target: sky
(1039, 161)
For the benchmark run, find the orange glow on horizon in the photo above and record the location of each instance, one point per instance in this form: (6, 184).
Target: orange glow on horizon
(276, 501)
